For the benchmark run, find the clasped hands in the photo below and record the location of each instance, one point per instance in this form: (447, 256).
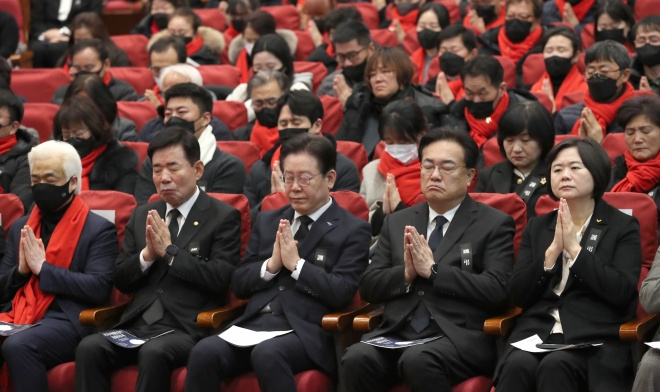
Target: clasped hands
(31, 253)
(565, 236)
(285, 249)
(417, 255)
(158, 237)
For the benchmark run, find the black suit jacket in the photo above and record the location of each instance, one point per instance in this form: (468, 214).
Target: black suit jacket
(321, 288)
(600, 295)
(460, 299)
(43, 14)
(199, 276)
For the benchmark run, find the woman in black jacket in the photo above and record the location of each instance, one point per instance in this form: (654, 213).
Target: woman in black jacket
(388, 77)
(107, 165)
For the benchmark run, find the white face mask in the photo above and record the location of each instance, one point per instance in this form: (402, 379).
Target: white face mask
(405, 153)
(248, 47)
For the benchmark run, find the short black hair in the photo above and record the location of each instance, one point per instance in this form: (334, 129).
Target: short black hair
(92, 85)
(616, 10)
(594, 158)
(187, 13)
(528, 116)
(467, 36)
(277, 46)
(176, 136)
(608, 50)
(301, 103)
(341, 15)
(93, 43)
(239, 7)
(404, 118)
(164, 44)
(14, 105)
(537, 6)
(198, 94)
(440, 12)
(315, 145)
(649, 23)
(452, 134)
(5, 71)
(487, 66)
(352, 30)
(261, 22)
(565, 32)
(645, 105)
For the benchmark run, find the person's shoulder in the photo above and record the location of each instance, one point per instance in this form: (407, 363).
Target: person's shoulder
(223, 158)
(345, 162)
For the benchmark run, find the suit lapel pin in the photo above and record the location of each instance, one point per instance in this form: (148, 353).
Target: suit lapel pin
(519, 181)
(195, 223)
(542, 181)
(598, 220)
(329, 224)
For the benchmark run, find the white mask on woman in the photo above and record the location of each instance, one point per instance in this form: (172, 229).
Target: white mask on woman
(405, 153)
(248, 47)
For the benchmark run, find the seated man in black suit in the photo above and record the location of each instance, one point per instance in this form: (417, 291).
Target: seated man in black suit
(175, 267)
(441, 290)
(58, 262)
(291, 287)
(189, 106)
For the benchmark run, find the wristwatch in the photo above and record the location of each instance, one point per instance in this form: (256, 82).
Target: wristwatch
(172, 250)
(65, 31)
(434, 269)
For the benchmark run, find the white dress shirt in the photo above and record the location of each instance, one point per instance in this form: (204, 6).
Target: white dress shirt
(64, 10)
(449, 215)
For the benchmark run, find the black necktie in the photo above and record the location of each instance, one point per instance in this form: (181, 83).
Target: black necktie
(436, 236)
(174, 224)
(303, 230)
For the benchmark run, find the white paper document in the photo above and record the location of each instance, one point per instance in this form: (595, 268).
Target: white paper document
(242, 337)
(530, 343)
(390, 342)
(655, 345)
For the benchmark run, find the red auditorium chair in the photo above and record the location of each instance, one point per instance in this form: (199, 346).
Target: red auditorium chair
(140, 149)
(11, 209)
(492, 149)
(232, 113)
(380, 147)
(220, 75)
(353, 202)
(248, 152)
(305, 45)
(138, 112)
(572, 99)
(614, 144)
(17, 9)
(333, 114)
(112, 205)
(355, 152)
(384, 37)
(40, 116)
(122, 6)
(23, 82)
(139, 77)
(411, 43)
(452, 8)
(286, 16)
(587, 36)
(509, 70)
(369, 13)
(318, 71)
(544, 99)
(135, 46)
(534, 67)
(212, 17)
(644, 8)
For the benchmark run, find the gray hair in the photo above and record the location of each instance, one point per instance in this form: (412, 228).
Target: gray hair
(266, 76)
(71, 164)
(186, 70)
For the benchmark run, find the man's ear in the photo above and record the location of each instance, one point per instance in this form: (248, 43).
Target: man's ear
(626, 75)
(472, 54)
(106, 66)
(371, 49)
(14, 127)
(73, 184)
(316, 127)
(199, 169)
(470, 175)
(207, 118)
(503, 87)
(331, 177)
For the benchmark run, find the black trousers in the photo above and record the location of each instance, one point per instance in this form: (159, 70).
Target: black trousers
(45, 54)
(434, 366)
(97, 358)
(275, 361)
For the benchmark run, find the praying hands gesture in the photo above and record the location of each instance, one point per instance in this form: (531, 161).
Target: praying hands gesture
(589, 126)
(547, 88)
(341, 89)
(31, 253)
(158, 236)
(442, 89)
(285, 250)
(565, 236)
(417, 257)
(276, 183)
(476, 21)
(568, 15)
(391, 197)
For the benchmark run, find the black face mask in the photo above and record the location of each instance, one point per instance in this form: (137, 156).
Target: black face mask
(428, 39)
(81, 73)
(649, 55)
(239, 24)
(187, 40)
(179, 122)
(486, 12)
(615, 35)
(480, 110)
(558, 67)
(83, 146)
(320, 24)
(161, 20)
(517, 30)
(451, 63)
(267, 117)
(406, 8)
(573, 3)
(49, 198)
(355, 73)
(601, 89)
(288, 133)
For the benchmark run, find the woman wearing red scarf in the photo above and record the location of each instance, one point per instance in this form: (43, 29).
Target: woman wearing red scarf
(257, 24)
(638, 169)
(614, 20)
(433, 18)
(392, 182)
(107, 165)
(403, 12)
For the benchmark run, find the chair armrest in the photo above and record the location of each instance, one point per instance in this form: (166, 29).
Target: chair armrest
(369, 321)
(213, 319)
(22, 60)
(97, 316)
(635, 330)
(501, 325)
(337, 322)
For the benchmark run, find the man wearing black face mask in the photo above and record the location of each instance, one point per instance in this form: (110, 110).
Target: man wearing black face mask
(645, 69)
(432, 19)
(298, 112)
(59, 261)
(159, 15)
(325, 51)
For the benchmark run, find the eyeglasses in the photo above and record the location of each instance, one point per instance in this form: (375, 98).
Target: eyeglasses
(80, 133)
(446, 168)
(600, 73)
(257, 104)
(302, 180)
(351, 56)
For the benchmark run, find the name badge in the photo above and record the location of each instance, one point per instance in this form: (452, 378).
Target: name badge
(528, 190)
(592, 240)
(319, 258)
(466, 257)
(193, 248)
(202, 185)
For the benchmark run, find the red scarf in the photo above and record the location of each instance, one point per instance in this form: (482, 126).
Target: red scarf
(195, 45)
(6, 144)
(501, 19)
(65, 67)
(604, 112)
(107, 78)
(408, 21)
(516, 51)
(154, 27)
(574, 81)
(641, 176)
(230, 33)
(407, 177)
(580, 9)
(456, 87)
(156, 91)
(482, 129)
(88, 163)
(30, 303)
(419, 60)
(242, 65)
(265, 138)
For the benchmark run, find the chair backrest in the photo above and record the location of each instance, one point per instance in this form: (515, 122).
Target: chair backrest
(544, 100)
(369, 13)
(614, 144)
(644, 8)
(509, 70)
(232, 113)
(305, 45)
(351, 201)
(452, 8)
(491, 152)
(384, 37)
(248, 152)
(380, 147)
(140, 149)
(318, 70)
(212, 17)
(587, 36)
(138, 112)
(410, 42)
(113, 206)
(135, 46)
(572, 99)
(13, 7)
(286, 16)
(220, 75)
(23, 82)
(40, 116)
(11, 209)
(355, 152)
(333, 114)
(139, 78)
